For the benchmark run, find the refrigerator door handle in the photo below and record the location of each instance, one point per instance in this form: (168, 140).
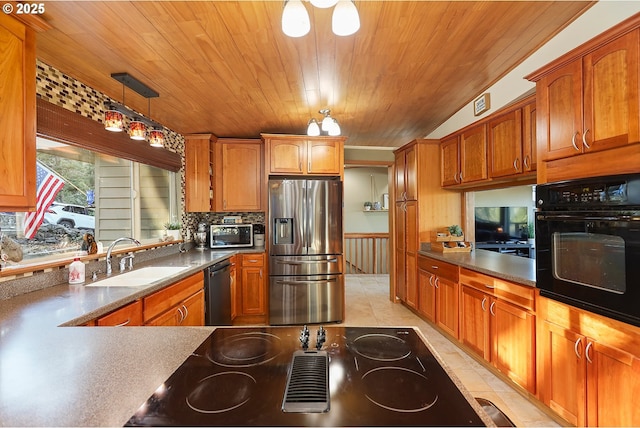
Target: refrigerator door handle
(308, 281)
(302, 262)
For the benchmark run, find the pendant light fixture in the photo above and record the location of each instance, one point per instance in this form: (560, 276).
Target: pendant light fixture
(137, 130)
(156, 138)
(328, 125)
(295, 19)
(113, 121)
(345, 20)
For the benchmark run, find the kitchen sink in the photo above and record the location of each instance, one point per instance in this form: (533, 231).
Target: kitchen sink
(138, 277)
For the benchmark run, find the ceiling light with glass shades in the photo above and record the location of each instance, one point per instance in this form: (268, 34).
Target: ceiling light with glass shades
(140, 127)
(328, 124)
(345, 20)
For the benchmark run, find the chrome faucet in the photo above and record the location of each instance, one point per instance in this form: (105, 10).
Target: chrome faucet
(110, 249)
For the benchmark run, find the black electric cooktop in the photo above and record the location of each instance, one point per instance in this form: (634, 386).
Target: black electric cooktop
(377, 377)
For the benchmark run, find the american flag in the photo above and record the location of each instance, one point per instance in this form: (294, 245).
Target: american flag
(48, 185)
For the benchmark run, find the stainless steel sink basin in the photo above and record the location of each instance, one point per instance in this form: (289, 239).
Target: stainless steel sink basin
(139, 277)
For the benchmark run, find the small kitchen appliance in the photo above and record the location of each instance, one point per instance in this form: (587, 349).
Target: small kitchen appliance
(231, 235)
(200, 237)
(248, 377)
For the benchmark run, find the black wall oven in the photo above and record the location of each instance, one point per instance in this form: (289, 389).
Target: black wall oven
(588, 244)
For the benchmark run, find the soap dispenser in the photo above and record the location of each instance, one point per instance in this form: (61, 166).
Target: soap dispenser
(76, 271)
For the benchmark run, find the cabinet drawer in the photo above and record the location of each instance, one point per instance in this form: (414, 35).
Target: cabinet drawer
(477, 280)
(170, 296)
(442, 269)
(253, 260)
(129, 315)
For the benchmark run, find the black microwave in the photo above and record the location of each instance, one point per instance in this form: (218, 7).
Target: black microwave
(231, 235)
(588, 244)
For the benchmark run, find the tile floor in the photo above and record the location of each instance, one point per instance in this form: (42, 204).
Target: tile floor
(367, 300)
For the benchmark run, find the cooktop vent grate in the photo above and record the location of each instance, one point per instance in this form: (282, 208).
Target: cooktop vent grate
(308, 383)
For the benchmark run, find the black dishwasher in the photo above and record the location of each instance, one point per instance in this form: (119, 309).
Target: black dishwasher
(217, 294)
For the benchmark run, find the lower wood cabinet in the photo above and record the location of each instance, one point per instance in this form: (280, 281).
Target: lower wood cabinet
(497, 322)
(129, 315)
(181, 303)
(438, 293)
(589, 371)
(251, 288)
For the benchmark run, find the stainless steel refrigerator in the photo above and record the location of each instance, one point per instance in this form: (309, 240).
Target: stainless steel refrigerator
(306, 281)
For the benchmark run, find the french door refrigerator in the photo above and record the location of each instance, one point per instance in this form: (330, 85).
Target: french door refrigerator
(306, 281)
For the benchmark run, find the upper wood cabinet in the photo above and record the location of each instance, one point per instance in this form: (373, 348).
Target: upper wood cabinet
(302, 155)
(505, 145)
(464, 156)
(239, 175)
(18, 115)
(406, 173)
(529, 137)
(588, 103)
(450, 161)
(198, 172)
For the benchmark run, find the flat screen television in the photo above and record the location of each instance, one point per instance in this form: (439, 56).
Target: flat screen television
(501, 224)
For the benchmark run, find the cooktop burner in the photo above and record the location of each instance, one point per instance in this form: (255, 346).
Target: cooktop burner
(377, 377)
(245, 349)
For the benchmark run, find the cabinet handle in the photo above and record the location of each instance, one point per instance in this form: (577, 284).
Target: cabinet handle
(431, 280)
(224, 204)
(573, 141)
(491, 308)
(123, 324)
(575, 347)
(436, 282)
(586, 352)
(484, 300)
(526, 162)
(434, 267)
(489, 286)
(516, 164)
(309, 166)
(461, 178)
(584, 142)
(455, 177)
(181, 316)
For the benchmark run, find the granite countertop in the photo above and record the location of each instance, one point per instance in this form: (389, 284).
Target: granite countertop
(88, 376)
(520, 270)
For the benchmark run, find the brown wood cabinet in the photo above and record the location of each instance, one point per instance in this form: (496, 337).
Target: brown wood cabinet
(421, 206)
(129, 315)
(505, 145)
(198, 172)
(464, 156)
(588, 103)
(181, 303)
(302, 155)
(239, 175)
(439, 282)
(589, 366)
(18, 115)
(251, 288)
(497, 321)
(529, 137)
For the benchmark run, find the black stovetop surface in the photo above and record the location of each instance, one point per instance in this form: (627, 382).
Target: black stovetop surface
(377, 377)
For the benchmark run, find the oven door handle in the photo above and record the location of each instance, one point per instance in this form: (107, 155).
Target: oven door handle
(551, 217)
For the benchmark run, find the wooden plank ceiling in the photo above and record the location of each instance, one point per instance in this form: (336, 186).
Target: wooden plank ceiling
(225, 67)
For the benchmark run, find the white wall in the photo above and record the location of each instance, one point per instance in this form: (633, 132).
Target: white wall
(600, 17)
(357, 190)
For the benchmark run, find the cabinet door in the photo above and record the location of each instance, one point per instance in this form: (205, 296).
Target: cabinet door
(613, 385)
(287, 156)
(563, 387)
(427, 294)
(400, 183)
(324, 157)
(400, 251)
(450, 162)
(559, 104)
(513, 343)
(611, 94)
(447, 305)
(253, 291)
(529, 138)
(474, 321)
(473, 154)
(411, 250)
(505, 145)
(198, 174)
(193, 309)
(411, 174)
(18, 115)
(129, 315)
(239, 177)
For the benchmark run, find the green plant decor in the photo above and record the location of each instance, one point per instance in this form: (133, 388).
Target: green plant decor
(172, 226)
(455, 230)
